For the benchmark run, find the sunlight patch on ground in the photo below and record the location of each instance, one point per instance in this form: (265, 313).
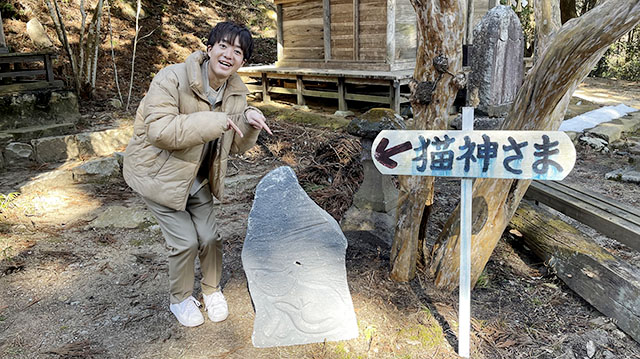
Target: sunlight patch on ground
(55, 205)
(596, 94)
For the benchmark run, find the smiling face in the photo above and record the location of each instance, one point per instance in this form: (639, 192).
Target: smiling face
(224, 60)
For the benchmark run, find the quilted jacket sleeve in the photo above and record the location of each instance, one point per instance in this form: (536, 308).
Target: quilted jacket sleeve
(166, 127)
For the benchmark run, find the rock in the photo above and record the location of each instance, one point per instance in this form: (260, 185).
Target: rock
(619, 334)
(123, 217)
(294, 259)
(56, 148)
(103, 143)
(634, 147)
(48, 180)
(627, 174)
(608, 355)
(344, 113)
(241, 183)
(115, 103)
(630, 123)
(18, 154)
(100, 170)
(591, 349)
(599, 321)
(128, 9)
(375, 120)
(301, 107)
(598, 337)
(609, 132)
(496, 59)
(597, 144)
(119, 156)
(38, 35)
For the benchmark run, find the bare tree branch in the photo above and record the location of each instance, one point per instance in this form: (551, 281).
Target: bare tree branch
(113, 57)
(133, 56)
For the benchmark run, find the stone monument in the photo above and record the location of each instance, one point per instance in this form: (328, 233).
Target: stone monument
(294, 259)
(496, 58)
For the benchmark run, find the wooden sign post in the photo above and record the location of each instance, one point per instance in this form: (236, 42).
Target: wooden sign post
(540, 155)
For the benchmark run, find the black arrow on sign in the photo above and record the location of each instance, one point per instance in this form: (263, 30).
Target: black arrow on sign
(383, 153)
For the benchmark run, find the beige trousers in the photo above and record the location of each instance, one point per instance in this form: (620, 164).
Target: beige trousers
(188, 233)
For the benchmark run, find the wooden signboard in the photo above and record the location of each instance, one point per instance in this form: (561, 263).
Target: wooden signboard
(468, 154)
(541, 155)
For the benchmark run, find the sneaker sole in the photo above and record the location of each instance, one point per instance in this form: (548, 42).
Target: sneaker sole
(217, 319)
(185, 324)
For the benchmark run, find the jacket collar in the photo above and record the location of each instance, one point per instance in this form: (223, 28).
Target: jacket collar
(235, 86)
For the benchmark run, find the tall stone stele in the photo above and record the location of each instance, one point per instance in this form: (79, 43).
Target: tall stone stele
(496, 58)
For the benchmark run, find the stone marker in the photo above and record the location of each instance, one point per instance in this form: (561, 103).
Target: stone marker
(496, 60)
(376, 192)
(294, 259)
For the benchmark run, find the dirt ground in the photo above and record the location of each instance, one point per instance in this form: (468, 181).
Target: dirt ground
(70, 290)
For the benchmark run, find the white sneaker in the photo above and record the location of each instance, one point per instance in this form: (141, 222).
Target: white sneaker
(187, 312)
(216, 306)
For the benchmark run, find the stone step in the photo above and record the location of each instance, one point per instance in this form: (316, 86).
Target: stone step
(26, 134)
(30, 86)
(66, 147)
(38, 107)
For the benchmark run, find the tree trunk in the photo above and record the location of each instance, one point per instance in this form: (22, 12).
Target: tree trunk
(440, 32)
(547, 15)
(606, 282)
(568, 10)
(539, 105)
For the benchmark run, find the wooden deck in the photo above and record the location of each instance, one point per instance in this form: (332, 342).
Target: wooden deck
(389, 88)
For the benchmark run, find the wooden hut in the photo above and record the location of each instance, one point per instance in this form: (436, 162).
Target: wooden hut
(347, 34)
(348, 50)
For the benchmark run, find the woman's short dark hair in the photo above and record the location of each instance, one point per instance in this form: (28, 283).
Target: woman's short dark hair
(229, 31)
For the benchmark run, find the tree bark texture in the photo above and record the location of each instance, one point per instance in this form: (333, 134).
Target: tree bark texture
(440, 32)
(547, 15)
(539, 105)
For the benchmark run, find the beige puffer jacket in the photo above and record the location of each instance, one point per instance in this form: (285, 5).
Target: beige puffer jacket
(172, 125)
